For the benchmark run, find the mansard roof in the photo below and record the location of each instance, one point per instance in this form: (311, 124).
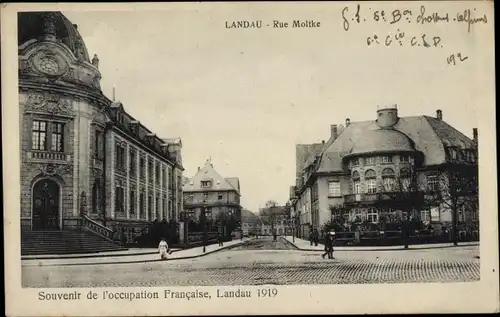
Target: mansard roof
(427, 135)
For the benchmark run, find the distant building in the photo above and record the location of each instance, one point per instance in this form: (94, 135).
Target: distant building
(275, 219)
(250, 223)
(218, 198)
(366, 166)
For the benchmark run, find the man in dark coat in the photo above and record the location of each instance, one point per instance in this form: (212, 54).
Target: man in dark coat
(329, 245)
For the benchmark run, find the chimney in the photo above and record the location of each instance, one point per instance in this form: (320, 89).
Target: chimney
(322, 141)
(333, 131)
(347, 122)
(198, 168)
(474, 135)
(439, 114)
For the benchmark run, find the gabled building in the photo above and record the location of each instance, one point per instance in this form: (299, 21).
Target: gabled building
(250, 223)
(363, 166)
(209, 194)
(85, 161)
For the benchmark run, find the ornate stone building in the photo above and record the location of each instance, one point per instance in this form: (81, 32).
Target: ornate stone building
(84, 158)
(381, 167)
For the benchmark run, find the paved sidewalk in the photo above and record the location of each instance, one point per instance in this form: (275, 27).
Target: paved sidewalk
(129, 252)
(140, 258)
(305, 245)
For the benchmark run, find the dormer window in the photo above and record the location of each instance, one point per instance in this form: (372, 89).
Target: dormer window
(370, 160)
(206, 184)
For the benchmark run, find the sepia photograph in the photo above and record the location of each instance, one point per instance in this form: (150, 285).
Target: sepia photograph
(221, 151)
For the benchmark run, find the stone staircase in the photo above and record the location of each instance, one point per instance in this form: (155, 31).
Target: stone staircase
(65, 242)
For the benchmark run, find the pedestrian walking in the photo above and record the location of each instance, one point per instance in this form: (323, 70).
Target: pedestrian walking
(311, 238)
(315, 237)
(219, 239)
(163, 249)
(329, 245)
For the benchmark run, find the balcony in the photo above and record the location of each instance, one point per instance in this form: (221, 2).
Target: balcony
(380, 197)
(46, 155)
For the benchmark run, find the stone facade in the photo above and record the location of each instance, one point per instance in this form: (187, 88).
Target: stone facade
(374, 167)
(80, 151)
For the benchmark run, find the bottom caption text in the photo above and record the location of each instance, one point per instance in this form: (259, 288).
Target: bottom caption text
(166, 294)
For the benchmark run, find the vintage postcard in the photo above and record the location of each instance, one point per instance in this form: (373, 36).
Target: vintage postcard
(249, 158)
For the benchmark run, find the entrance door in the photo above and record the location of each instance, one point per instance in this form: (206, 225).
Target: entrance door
(46, 205)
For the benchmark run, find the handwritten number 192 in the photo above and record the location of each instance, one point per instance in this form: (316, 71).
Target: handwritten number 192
(453, 59)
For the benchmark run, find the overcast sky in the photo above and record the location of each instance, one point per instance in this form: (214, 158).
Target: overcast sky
(245, 98)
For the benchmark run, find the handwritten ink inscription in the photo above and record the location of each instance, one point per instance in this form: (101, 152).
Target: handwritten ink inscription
(362, 14)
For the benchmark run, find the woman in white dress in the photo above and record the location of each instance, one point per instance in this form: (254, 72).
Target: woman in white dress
(163, 249)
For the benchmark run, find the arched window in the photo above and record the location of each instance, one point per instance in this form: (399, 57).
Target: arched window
(355, 175)
(388, 179)
(371, 181)
(370, 174)
(356, 182)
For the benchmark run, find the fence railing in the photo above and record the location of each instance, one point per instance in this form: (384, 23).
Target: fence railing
(97, 228)
(394, 237)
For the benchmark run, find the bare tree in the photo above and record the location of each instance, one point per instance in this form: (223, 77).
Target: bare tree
(268, 215)
(403, 191)
(456, 189)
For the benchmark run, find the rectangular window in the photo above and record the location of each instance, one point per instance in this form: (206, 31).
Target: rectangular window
(388, 183)
(404, 159)
(39, 137)
(120, 156)
(219, 196)
(334, 189)
(158, 177)
(157, 205)
(132, 163)
(372, 215)
(386, 159)
(150, 172)
(371, 186)
(357, 187)
(355, 162)
(432, 182)
(164, 176)
(150, 207)
(206, 184)
(119, 199)
(164, 207)
(205, 196)
(370, 160)
(141, 204)
(142, 166)
(435, 217)
(132, 202)
(57, 137)
(425, 215)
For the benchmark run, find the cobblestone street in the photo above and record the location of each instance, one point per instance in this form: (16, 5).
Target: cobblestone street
(265, 262)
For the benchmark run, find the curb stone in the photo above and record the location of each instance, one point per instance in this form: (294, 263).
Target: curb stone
(401, 248)
(147, 261)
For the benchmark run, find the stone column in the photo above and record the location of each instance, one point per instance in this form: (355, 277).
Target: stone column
(111, 162)
(127, 188)
(146, 193)
(138, 185)
(154, 189)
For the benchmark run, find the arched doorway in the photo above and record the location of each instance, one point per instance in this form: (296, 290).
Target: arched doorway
(46, 205)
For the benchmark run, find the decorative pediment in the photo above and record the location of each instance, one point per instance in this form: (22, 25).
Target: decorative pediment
(49, 103)
(51, 169)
